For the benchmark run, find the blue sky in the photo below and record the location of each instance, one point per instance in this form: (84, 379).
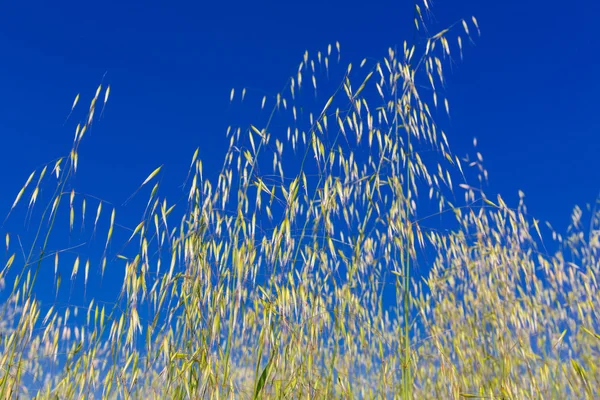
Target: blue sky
(527, 88)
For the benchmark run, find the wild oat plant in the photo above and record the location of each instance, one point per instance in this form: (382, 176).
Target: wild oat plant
(359, 271)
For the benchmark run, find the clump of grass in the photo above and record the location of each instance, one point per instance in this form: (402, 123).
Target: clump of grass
(332, 281)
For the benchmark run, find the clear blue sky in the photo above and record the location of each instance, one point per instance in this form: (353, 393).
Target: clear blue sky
(528, 88)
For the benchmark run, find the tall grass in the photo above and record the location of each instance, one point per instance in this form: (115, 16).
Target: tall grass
(362, 273)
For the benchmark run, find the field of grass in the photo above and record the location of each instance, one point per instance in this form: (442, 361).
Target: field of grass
(342, 253)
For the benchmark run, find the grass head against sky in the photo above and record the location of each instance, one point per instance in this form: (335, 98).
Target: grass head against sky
(526, 89)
